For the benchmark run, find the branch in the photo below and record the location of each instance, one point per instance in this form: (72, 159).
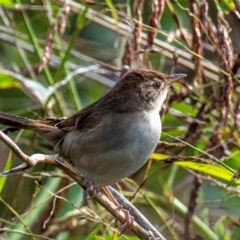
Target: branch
(141, 226)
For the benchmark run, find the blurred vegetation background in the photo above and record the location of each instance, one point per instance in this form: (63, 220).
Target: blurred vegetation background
(59, 56)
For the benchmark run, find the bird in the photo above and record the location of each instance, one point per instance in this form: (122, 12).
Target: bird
(113, 137)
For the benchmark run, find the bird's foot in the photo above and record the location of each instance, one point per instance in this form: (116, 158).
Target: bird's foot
(151, 236)
(91, 190)
(127, 224)
(129, 217)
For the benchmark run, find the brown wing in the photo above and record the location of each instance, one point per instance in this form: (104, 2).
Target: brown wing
(85, 119)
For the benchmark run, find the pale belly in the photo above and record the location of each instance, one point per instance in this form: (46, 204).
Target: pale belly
(106, 154)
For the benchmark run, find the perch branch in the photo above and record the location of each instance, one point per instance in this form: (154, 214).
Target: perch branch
(141, 226)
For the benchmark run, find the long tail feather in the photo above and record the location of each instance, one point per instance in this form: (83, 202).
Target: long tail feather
(51, 133)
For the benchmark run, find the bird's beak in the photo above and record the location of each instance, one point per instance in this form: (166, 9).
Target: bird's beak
(174, 77)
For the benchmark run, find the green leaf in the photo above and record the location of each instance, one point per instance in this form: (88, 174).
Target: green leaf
(6, 3)
(158, 156)
(226, 5)
(92, 235)
(210, 169)
(112, 10)
(7, 166)
(183, 107)
(8, 82)
(221, 230)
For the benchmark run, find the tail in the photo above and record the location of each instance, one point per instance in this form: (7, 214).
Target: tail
(19, 122)
(51, 133)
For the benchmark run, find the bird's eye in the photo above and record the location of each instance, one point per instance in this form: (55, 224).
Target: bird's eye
(156, 85)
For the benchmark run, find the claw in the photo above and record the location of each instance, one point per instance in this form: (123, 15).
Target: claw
(90, 187)
(127, 224)
(151, 236)
(129, 218)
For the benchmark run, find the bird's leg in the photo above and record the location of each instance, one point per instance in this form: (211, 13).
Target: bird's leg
(90, 186)
(129, 218)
